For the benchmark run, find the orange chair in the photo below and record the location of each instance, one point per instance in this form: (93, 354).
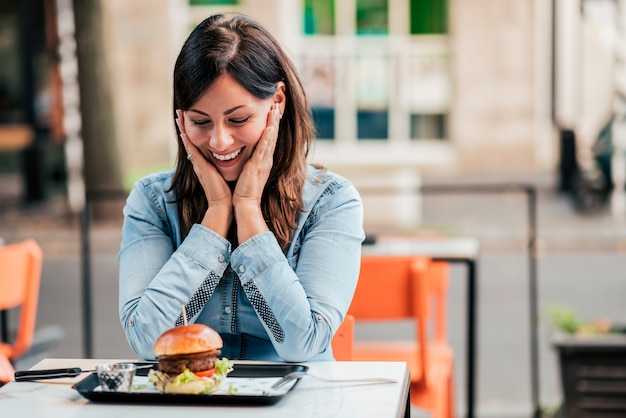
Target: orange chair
(6, 370)
(20, 274)
(343, 340)
(398, 288)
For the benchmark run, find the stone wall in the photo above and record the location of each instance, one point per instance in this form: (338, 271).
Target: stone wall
(492, 123)
(142, 42)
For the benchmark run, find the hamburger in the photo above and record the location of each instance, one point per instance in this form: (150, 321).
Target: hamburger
(188, 360)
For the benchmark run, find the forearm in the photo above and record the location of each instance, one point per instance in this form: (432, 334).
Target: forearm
(300, 306)
(152, 292)
(250, 221)
(218, 218)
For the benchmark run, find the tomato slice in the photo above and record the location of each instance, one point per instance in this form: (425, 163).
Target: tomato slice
(205, 373)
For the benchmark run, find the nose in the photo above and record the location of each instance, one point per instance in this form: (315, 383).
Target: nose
(220, 139)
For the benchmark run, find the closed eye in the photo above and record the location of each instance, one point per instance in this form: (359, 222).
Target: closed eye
(202, 122)
(239, 121)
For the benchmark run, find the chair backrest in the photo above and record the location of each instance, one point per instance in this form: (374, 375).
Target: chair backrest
(343, 340)
(439, 283)
(394, 288)
(389, 288)
(20, 275)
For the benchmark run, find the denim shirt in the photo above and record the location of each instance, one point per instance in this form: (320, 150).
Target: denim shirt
(266, 303)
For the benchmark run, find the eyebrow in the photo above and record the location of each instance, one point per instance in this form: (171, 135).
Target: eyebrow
(227, 112)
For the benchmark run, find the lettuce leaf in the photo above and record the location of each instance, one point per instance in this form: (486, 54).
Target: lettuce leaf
(195, 384)
(223, 366)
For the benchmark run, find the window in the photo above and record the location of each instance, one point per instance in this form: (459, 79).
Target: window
(324, 119)
(427, 93)
(429, 17)
(318, 77)
(319, 17)
(372, 93)
(372, 17)
(362, 91)
(213, 2)
(317, 69)
(372, 124)
(428, 126)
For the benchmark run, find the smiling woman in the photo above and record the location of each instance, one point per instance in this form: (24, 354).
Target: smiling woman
(236, 231)
(226, 123)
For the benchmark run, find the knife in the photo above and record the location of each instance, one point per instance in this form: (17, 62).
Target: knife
(29, 375)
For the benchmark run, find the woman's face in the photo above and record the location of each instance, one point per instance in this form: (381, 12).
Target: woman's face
(226, 123)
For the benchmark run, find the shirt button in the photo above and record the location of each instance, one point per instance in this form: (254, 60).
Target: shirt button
(228, 310)
(319, 318)
(241, 269)
(221, 258)
(131, 322)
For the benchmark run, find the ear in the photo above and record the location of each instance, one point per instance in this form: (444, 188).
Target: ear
(280, 97)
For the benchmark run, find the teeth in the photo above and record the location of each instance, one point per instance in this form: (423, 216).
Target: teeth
(227, 156)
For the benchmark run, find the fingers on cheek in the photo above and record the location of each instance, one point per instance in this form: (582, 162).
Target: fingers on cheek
(180, 124)
(277, 115)
(269, 138)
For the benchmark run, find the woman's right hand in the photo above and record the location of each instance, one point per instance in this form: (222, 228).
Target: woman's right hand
(219, 214)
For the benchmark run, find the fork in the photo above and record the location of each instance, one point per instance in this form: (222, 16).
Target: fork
(300, 373)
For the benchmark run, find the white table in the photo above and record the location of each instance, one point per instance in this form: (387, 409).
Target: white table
(310, 398)
(465, 250)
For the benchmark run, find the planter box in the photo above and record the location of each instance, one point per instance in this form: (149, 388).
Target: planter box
(593, 375)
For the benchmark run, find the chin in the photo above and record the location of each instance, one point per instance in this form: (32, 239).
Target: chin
(229, 175)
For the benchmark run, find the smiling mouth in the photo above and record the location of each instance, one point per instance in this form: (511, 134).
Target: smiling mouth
(227, 157)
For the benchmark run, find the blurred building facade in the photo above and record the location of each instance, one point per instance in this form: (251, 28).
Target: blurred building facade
(438, 85)
(398, 88)
(394, 84)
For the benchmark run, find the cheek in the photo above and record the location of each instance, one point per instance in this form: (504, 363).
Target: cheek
(251, 134)
(194, 133)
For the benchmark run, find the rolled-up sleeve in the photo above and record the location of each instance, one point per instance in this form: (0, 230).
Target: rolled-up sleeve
(156, 279)
(301, 308)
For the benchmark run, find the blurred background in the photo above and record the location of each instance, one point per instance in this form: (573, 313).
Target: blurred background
(400, 89)
(404, 93)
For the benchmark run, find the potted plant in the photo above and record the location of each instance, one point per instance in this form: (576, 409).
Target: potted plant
(592, 358)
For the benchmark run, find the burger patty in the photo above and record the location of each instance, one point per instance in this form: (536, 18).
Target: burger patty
(195, 362)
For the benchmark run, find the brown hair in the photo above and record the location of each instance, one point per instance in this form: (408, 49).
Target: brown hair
(242, 48)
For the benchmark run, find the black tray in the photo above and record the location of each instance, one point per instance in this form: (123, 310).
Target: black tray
(258, 375)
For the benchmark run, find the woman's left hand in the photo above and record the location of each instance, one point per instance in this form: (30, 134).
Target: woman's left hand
(255, 173)
(252, 181)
